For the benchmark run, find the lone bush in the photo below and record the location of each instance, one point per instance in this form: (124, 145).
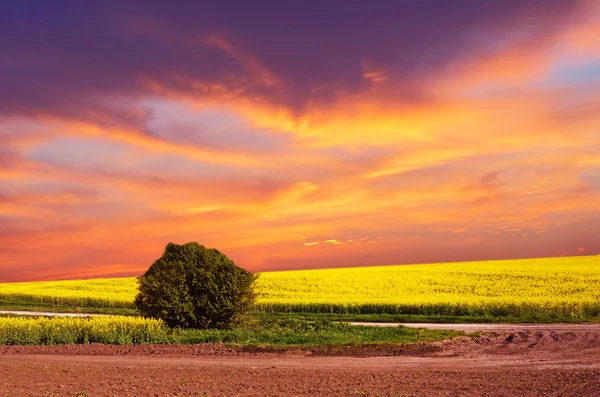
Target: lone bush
(191, 286)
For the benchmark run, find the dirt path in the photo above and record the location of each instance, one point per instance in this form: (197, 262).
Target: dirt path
(83, 376)
(527, 362)
(265, 361)
(594, 327)
(49, 314)
(567, 327)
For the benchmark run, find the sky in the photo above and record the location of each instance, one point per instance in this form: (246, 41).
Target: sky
(296, 134)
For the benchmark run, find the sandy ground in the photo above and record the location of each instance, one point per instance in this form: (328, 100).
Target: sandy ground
(544, 360)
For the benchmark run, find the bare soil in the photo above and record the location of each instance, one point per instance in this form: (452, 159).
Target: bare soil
(533, 361)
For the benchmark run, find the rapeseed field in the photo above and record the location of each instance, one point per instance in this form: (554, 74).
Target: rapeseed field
(549, 287)
(54, 331)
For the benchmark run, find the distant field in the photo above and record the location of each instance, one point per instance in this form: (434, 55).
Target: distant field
(555, 287)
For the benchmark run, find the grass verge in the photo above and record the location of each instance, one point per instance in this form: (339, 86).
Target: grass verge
(37, 307)
(383, 318)
(297, 332)
(414, 318)
(263, 332)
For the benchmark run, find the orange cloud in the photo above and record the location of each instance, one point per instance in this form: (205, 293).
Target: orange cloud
(494, 156)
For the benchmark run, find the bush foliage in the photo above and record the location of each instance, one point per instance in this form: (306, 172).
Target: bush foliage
(191, 286)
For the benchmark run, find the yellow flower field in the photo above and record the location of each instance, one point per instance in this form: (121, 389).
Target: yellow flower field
(51, 331)
(568, 287)
(114, 293)
(564, 287)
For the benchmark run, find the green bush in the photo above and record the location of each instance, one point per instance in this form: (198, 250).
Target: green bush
(191, 286)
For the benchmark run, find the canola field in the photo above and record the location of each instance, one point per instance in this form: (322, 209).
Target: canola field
(103, 292)
(550, 287)
(54, 331)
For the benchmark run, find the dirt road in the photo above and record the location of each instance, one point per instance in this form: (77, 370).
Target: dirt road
(48, 314)
(594, 327)
(529, 362)
(564, 327)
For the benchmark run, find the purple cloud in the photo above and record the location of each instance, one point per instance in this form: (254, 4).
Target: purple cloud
(70, 59)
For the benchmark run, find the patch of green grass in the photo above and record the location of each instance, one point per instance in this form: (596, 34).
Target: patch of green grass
(414, 318)
(255, 332)
(377, 318)
(297, 332)
(38, 307)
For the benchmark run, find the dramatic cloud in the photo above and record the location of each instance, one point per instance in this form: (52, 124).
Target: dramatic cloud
(295, 135)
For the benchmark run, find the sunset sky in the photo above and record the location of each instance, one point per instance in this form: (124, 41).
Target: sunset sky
(296, 134)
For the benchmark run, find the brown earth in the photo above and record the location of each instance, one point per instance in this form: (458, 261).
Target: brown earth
(533, 362)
